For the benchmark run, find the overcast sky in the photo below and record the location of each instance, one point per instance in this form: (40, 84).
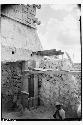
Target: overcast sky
(60, 28)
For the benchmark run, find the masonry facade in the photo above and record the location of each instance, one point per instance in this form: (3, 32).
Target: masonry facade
(23, 61)
(18, 40)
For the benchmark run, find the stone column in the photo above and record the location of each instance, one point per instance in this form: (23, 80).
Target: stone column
(25, 76)
(25, 65)
(62, 56)
(35, 90)
(25, 83)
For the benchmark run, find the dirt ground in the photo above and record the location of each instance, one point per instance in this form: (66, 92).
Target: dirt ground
(39, 113)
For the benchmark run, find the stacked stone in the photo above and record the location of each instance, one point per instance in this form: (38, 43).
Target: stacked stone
(77, 75)
(60, 87)
(55, 64)
(11, 83)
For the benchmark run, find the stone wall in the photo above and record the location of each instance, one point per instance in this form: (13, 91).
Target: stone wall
(55, 64)
(77, 66)
(12, 54)
(58, 87)
(21, 13)
(18, 40)
(11, 82)
(61, 85)
(78, 77)
(11, 75)
(15, 34)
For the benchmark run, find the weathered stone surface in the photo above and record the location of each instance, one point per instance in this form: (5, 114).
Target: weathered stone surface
(18, 35)
(64, 87)
(21, 13)
(11, 78)
(18, 55)
(59, 87)
(19, 38)
(56, 64)
(11, 83)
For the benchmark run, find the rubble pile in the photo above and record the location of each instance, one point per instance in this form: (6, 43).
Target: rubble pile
(56, 64)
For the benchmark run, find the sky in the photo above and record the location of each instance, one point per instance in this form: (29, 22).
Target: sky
(60, 28)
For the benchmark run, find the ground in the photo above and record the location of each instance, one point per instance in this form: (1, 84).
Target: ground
(39, 113)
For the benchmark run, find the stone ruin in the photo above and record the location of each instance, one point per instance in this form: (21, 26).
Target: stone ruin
(59, 85)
